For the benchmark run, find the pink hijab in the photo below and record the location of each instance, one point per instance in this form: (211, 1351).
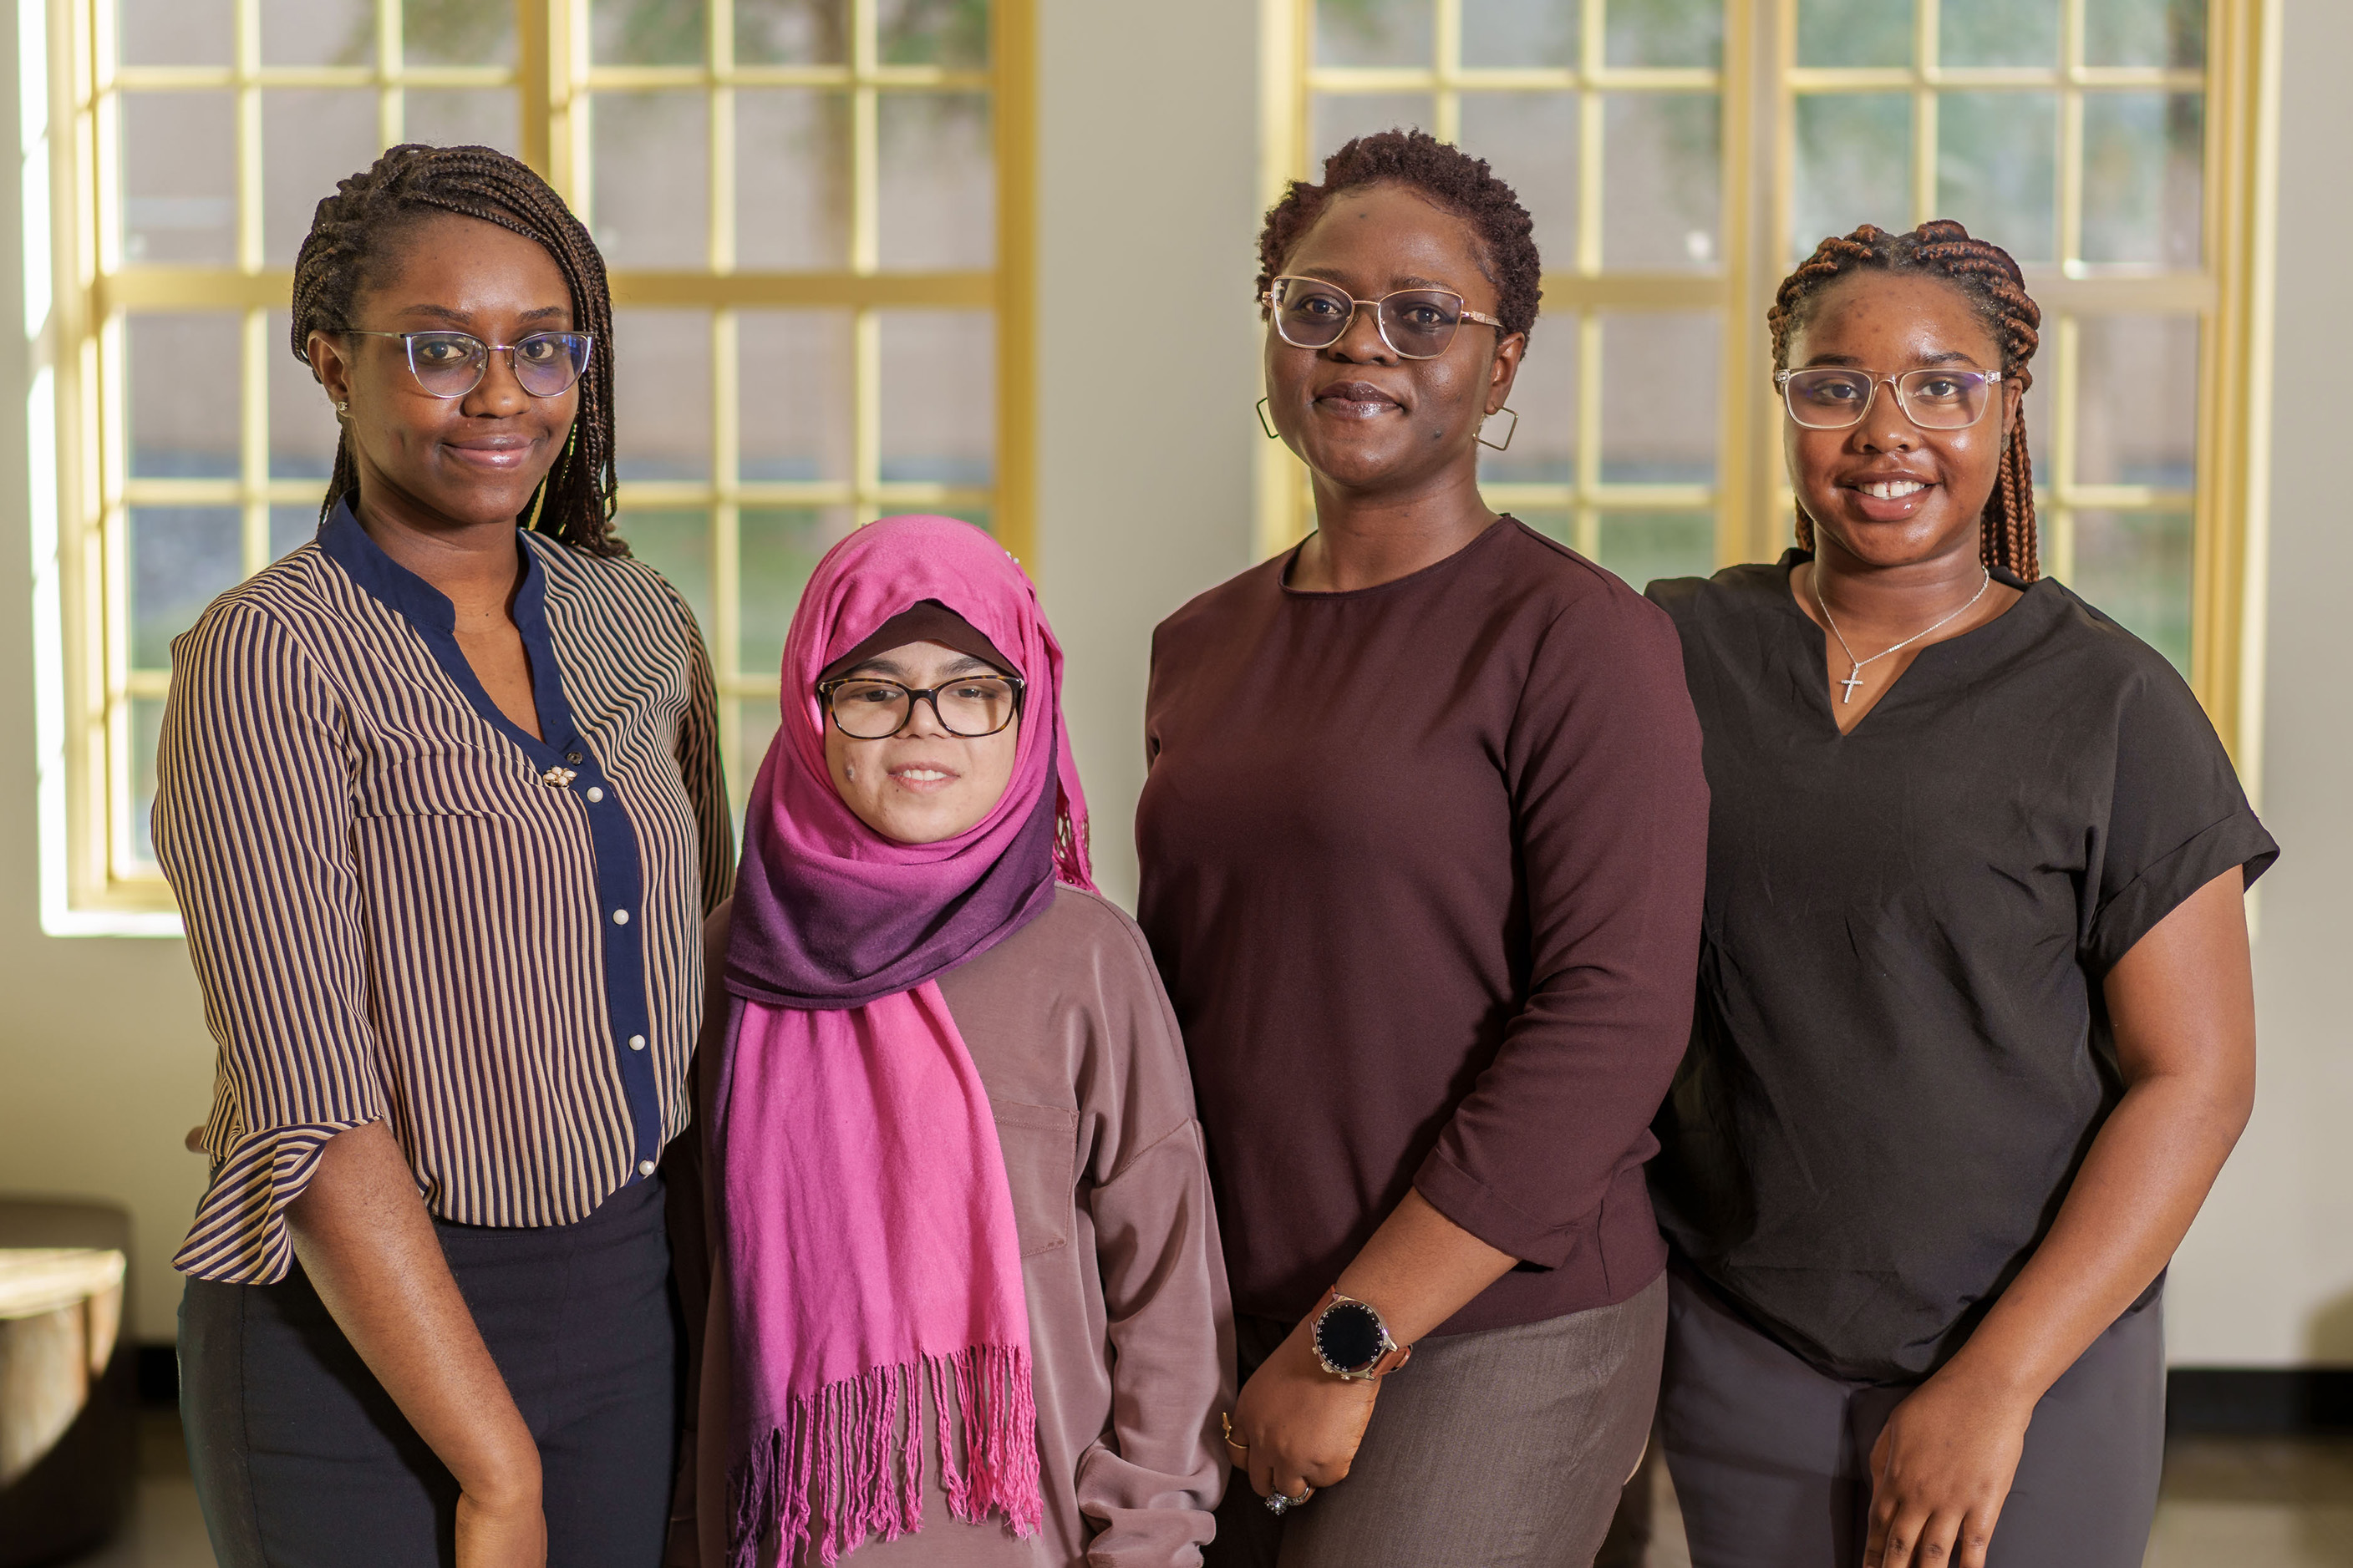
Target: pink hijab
(864, 1211)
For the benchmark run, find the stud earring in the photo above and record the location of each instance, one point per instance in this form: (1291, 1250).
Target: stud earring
(343, 410)
(1509, 431)
(1265, 424)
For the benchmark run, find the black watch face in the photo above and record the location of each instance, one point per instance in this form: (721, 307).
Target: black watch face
(1350, 1335)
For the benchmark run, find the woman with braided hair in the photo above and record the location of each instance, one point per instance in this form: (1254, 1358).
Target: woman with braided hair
(439, 797)
(1976, 1027)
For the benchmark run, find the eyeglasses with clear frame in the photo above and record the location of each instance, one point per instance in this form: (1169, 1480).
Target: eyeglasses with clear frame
(868, 709)
(1416, 323)
(451, 364)
(1828, 397)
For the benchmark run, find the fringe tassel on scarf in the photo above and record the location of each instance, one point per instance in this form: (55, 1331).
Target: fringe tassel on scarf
(833, 1468)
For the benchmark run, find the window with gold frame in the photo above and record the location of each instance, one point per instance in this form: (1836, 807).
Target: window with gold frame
(1678, 156)
(815, 214)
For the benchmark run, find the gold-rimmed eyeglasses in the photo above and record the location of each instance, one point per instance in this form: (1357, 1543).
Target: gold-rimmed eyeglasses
(451, 364)
(1416, 323)
(1827, 398)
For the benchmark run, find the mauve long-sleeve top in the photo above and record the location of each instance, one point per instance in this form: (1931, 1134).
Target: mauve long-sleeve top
(1130, 1328)
(1422, 867)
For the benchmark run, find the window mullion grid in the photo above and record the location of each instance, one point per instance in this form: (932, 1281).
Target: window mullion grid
(721, 124)
(253, 443)
(1587, 541)
(724, 538)
(2071, 141)
(1739, 358)
(101, 556)
(248, 136)
(866, 439)
(2058, 541)
(1591, 51)
(107, 561)
(1924, 52)
(1592, 62)
(1446, 102)
(865, 255)
(725, 525)
(391, 48)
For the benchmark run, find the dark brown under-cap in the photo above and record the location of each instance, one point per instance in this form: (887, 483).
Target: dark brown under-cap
(929, 621)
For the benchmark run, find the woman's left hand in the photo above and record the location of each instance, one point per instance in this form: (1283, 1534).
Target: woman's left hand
(1940, 1473)
(1301, 1425)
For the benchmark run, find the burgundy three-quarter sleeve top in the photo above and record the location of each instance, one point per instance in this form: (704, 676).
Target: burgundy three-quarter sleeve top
(1422, 868)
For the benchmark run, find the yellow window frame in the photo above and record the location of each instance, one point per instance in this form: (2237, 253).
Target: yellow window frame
(1759, 82)
(92, 881)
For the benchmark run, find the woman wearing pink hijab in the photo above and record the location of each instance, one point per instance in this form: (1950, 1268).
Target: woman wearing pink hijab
(966, 1299)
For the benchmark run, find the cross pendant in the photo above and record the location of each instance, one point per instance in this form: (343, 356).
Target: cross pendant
(1853, 679)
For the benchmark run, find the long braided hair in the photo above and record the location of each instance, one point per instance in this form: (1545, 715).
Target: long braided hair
(1997, 290)
(354, 236)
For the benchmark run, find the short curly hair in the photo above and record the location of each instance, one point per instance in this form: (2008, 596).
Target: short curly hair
(1441, 174)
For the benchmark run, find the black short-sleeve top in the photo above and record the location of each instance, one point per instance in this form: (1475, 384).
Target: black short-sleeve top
(1900, 1053)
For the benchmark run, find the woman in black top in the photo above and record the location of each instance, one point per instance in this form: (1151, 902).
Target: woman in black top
(1976, 1026)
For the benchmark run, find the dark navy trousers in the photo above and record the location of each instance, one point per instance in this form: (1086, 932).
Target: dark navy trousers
(303, 1460)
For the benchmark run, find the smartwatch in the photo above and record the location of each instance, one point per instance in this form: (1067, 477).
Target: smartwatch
(1352, 1342)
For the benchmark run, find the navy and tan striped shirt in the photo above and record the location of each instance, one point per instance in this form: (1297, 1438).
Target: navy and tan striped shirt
(403, 908)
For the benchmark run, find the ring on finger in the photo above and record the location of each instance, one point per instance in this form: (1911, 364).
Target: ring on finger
(1278, 1505)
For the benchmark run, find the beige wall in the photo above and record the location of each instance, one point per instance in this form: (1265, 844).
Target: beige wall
(104, 1061)
(1148, 357)
(2266, 1277)
(1149, 209)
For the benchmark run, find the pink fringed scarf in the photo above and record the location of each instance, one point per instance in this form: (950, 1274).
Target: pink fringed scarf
(869, 1229)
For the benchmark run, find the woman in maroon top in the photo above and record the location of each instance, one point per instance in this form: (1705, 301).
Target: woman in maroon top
(1423, 849)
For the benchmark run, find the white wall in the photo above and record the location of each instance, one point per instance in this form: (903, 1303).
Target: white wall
(1148, 213)
(2266, 1277)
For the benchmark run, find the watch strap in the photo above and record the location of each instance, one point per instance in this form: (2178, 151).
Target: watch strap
(1393, 1357)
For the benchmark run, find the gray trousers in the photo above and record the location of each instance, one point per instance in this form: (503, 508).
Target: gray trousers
(1772, 1460)
(1506, 1446)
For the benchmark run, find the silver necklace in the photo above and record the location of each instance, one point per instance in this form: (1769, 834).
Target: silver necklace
(1854, 674)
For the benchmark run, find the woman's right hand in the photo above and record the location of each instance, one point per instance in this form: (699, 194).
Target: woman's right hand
(363, 1237)
(504, 1527)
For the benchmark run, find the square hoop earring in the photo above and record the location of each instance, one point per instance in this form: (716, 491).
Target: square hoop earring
(1266, 424)
(1509, 431)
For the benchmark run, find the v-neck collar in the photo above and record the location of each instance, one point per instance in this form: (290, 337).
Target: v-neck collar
(428, 610)
(1971, 648)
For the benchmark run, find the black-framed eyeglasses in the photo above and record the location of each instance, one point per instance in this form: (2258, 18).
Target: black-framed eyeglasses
(1829, 399)
(1416, 323)
(451, 364)
(867, 710)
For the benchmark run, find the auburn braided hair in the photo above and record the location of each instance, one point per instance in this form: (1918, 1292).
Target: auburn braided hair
(1997, 290)
(354, 238)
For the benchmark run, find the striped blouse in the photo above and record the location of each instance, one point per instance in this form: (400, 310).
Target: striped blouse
(403, 908)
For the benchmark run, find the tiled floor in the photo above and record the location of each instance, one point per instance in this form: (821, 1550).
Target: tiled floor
(2229, 1503)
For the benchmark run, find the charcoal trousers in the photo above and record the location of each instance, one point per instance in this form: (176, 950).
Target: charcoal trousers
(1505, 1446)
(1771, 1459)
(301, 1460)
